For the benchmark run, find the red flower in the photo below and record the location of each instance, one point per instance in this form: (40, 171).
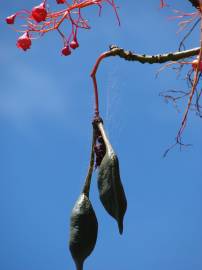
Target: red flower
(11, 19)
(24, 42)
(66, 50)
(61, 1)
(74, 44)
(39, 13)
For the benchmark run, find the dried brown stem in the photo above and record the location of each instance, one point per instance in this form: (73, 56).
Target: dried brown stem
(86, 187)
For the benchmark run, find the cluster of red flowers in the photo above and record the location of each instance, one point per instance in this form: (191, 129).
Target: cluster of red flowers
(39, 20)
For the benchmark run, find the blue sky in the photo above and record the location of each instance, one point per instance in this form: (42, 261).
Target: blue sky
(46, 104)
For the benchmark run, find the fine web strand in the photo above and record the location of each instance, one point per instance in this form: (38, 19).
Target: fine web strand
(112, 110)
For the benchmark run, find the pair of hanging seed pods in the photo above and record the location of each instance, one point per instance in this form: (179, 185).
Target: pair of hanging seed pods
(83, 223)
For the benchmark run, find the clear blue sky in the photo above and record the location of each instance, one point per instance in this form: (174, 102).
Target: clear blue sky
(46, 107)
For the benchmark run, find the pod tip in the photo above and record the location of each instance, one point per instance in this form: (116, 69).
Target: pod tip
(120, 224)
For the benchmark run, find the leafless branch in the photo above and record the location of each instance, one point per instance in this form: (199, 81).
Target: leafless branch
(151, 59)
(187, 35)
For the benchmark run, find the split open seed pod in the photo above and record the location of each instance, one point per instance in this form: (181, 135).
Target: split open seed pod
(83, 223)
(110, 187)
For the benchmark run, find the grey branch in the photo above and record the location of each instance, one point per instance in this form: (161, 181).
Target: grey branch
(151, 59)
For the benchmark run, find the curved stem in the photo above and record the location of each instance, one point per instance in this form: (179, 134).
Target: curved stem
(93, 76)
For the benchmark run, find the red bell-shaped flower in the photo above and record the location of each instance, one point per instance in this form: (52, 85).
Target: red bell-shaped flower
(66, 51)
(39, 13)
(24, 42)
(11, 19)
(74, 44)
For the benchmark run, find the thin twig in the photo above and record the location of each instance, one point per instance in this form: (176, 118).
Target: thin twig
(188, 34)
(195, 82)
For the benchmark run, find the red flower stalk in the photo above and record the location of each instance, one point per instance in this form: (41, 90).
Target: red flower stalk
(66, 51)
(24, 42)
(39, 13)
(11, 19)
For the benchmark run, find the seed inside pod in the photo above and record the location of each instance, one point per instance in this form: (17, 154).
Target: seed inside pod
(99, 149)
(83, 230)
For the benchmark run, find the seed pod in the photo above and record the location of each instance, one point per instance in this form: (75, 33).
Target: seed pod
(111, 190)
(83, 223)
(83, 230)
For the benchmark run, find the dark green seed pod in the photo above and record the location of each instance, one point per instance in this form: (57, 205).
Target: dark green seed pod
(83, 230)
(110, 187)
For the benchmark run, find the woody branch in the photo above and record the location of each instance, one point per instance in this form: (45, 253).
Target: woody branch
(151, 59)
(142, 58)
